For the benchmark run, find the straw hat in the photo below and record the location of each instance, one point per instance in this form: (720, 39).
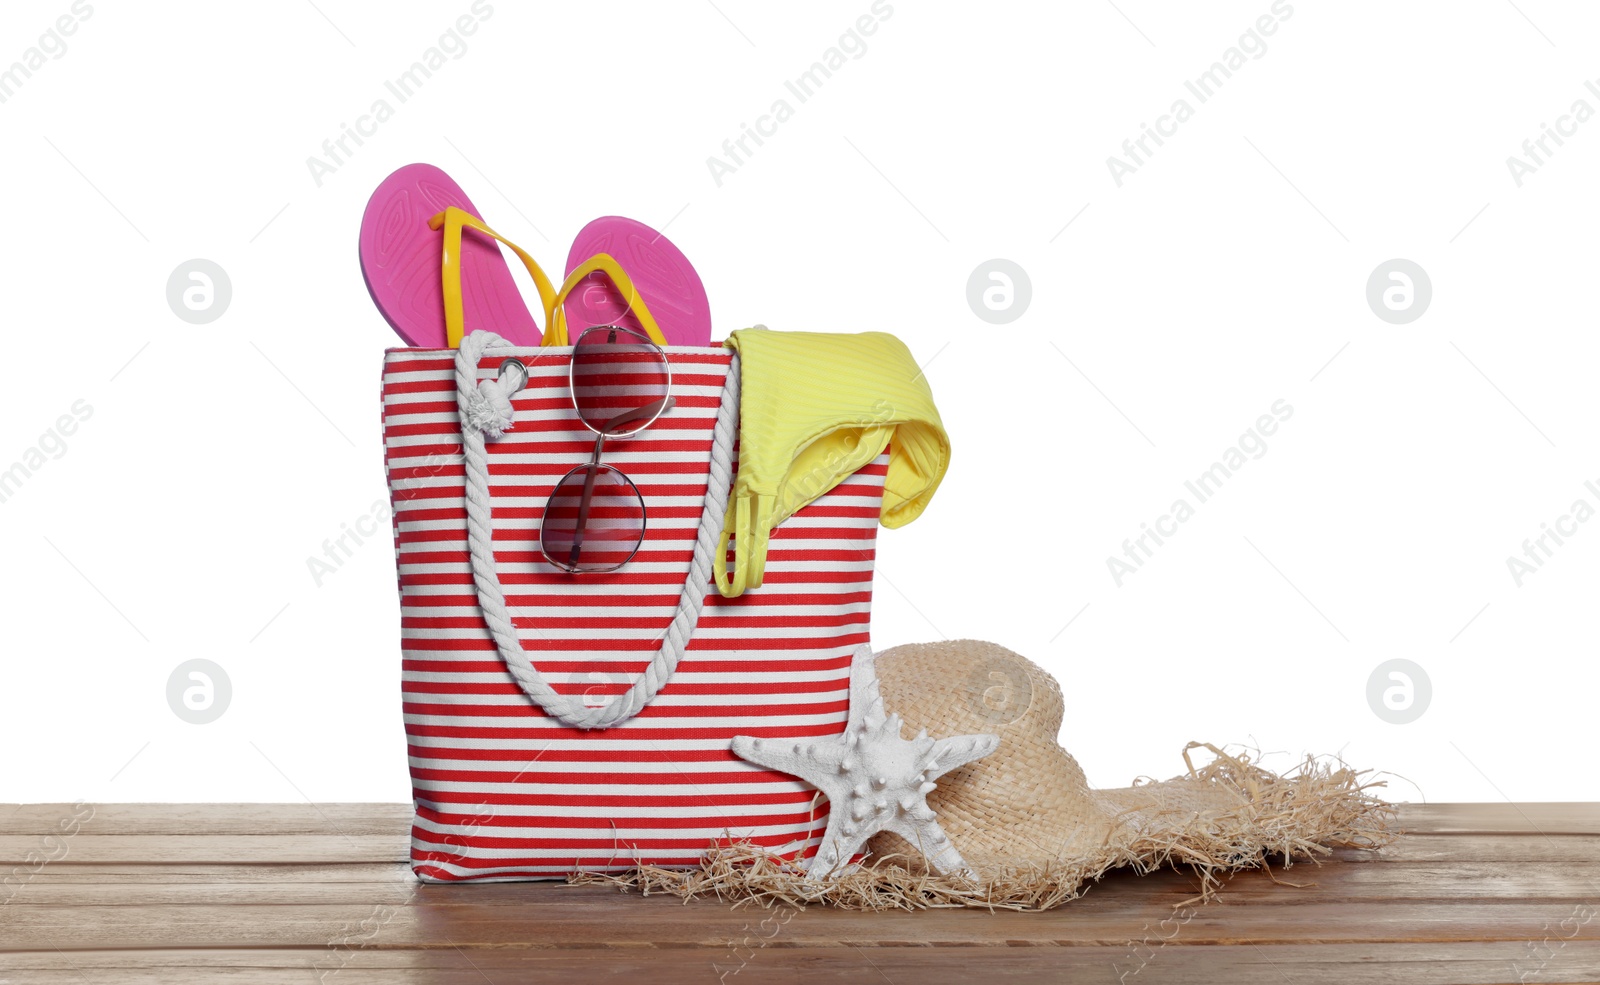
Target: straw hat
(1028, 806)
(1024, 818)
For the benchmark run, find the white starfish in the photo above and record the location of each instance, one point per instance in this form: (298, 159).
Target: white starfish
(874, 779)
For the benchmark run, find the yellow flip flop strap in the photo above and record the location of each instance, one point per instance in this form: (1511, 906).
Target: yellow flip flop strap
(556, 332)
(453, 220)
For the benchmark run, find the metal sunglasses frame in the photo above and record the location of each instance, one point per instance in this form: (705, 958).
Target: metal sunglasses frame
(614, 428)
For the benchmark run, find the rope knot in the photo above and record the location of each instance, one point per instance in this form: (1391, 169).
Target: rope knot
(488, 408)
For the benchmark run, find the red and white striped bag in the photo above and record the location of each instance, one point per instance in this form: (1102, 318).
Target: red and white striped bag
(503, 790)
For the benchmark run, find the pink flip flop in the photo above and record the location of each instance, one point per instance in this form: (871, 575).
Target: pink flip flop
(661, 273)
(400, 259)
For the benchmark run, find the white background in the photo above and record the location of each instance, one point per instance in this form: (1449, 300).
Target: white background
(1222, 276)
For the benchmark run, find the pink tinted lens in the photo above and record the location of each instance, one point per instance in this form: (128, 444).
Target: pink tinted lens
(594, 520)
(619, 380)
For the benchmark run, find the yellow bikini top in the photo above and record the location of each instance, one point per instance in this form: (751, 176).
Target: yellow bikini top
(814, 408)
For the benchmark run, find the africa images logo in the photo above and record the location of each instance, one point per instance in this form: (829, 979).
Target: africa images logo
(1251, 46)
(1536, 551)
(52, 43)
(1252, 444)
(737, 151)
(451, 46)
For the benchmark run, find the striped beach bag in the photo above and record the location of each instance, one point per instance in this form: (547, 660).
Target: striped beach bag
(558, 722)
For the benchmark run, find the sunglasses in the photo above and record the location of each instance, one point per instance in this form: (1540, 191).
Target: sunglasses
(594, 520)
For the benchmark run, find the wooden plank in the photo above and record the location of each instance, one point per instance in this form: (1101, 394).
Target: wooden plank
(213, 819)
(303, 818)
(219, 849)
(71, 873)
(394, 885)
(1530, 847)
(1501, 818)
(578, 917)
(295, 833)
(169, 852)
(1227, 964)
(1488, 849)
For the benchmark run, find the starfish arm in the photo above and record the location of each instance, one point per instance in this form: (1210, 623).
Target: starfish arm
(866, 701)
(809, 761)
(928, 838)
(835, 851)
(955, 752)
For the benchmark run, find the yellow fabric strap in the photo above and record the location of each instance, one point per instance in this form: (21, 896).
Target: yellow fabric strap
(815, 407)
(750, 548)
(452, 220)
(556, 323)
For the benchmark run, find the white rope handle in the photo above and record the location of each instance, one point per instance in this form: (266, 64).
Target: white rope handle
(485, 408)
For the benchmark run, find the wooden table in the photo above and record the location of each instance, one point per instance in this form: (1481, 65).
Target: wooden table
(296, 893)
